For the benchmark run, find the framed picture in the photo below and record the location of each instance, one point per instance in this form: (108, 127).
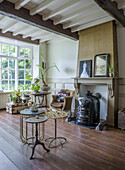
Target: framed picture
(101, 65)
(85, 69)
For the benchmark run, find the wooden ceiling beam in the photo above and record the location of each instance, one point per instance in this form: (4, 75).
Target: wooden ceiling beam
(8, 27)
(83, 10)
(60, 9)
(8, 9)
(20, 4)
(20, 30)
(82, 20)
(18, 37)
(43, 5)
(112, 9)
(92, 23)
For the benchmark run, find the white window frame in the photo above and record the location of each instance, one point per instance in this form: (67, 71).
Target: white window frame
(16, 64)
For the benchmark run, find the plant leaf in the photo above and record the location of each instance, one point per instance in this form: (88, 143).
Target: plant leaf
(40, 67)
(28, 77)
(56, 67)
(41, 55)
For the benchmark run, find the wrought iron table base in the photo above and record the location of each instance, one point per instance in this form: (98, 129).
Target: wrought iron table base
(37, 142)
(25, 138)
(56, 138)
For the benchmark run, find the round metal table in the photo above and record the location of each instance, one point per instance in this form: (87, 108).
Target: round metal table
(37, 120)
(28, 113)
(56, 115)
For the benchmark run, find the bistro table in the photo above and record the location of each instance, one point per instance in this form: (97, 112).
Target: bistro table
(37, 120)
(28, 113)
(42, 94)
(56, 115)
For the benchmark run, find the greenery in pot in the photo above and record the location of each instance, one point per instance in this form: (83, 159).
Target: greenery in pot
(44, 71)
(35, 85)
(15, 95)
(25, 88)
(111, 70)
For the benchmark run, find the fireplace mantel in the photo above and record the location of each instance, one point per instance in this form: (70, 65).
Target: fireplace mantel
(109, 81)
(95, 80)
(113, 89)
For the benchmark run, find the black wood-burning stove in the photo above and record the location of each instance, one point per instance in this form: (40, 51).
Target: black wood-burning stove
(88, 110)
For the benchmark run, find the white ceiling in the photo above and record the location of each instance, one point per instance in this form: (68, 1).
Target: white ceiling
(74, 14)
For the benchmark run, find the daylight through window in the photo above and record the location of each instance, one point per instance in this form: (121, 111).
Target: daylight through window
(15, 64)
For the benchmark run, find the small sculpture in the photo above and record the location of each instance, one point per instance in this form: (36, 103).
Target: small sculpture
(34, 108)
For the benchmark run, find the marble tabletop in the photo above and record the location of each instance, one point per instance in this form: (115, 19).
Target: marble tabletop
(29, 112)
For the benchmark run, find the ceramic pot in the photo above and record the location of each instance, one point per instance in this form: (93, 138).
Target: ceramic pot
(45, 88)
(111, 74)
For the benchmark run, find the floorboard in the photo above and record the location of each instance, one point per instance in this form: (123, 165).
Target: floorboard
(85, 149)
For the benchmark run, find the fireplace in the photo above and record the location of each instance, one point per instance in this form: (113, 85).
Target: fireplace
(88, 109)
(112, 85)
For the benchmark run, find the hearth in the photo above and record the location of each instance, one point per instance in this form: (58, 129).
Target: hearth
(88, 109)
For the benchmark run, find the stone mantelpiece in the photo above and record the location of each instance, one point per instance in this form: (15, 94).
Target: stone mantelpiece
(113, 93)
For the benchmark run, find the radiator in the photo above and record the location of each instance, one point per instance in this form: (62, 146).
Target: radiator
(3, 99)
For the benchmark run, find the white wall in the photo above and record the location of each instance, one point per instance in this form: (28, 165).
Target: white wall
(64, 54)
(35, 60)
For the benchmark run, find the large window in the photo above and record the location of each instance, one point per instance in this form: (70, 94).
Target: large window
(15, 64)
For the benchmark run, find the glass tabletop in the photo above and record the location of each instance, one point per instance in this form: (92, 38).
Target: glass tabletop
(29, 112)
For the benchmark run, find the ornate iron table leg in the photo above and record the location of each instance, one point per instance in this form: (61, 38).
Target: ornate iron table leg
(56, 138)
(37, 142)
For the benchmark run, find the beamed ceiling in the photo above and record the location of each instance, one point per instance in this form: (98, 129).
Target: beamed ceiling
(37, 21)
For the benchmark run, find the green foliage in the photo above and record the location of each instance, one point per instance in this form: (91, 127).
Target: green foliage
(35, 87)
(15, 94)
(111, 68)
(28, 77)
(24, 87)
(44, 71)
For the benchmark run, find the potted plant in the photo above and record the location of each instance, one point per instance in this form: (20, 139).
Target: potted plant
(35, 85)
(111, 70)
(25, 93)
(15, 96)
(45, 87)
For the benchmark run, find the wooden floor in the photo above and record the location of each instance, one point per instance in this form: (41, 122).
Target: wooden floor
(85, 149)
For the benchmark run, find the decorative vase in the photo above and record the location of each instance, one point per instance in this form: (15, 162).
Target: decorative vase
(45, 88)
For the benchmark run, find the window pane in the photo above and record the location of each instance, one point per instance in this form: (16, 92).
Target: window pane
(21, 52)
(4, 85)
(28, 82)
(27, 72)
(28, 64)
(27, 52)
(20, 74)
(20, 82)
(12, 63)
(12, 85)
(4, 62)
(12, 74)
(12, 51)
(4, 49)
(4, 74)
(20, 64)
